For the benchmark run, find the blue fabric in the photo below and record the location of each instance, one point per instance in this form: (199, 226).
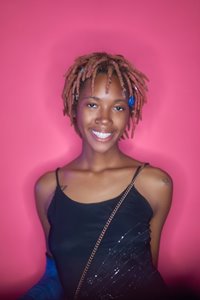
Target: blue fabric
(49, 286)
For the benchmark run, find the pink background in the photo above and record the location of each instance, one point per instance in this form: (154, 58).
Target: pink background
(39, 40)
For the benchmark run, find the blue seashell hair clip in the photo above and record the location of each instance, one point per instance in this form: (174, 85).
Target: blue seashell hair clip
(131, 101)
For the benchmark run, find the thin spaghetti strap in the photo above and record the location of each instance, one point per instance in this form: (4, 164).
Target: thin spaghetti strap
(138, 170)
(57, 179)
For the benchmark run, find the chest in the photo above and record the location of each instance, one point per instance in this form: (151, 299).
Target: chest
(90, 188)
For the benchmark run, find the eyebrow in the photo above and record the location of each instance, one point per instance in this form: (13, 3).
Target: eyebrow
(97, 98)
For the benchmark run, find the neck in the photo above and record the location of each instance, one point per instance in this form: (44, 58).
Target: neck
(97, 161)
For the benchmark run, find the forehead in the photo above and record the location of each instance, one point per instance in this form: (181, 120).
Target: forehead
(100, 83)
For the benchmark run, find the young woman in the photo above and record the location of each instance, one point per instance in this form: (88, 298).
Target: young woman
(103, 212)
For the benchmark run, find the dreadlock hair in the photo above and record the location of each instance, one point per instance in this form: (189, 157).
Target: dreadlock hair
(132, 81)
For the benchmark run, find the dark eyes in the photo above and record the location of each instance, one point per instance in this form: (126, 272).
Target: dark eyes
(117, 108)
(92, 105)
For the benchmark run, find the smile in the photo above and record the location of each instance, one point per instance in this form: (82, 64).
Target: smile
(101, 135)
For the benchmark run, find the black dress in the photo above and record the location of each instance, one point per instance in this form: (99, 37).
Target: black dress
(122, 267)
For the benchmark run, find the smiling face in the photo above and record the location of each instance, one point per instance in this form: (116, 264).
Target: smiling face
(102, 117)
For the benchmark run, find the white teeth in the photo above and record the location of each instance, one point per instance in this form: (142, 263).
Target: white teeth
(101, 135)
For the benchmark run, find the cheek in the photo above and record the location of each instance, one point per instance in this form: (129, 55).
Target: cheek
(83, 118)
(123, 120)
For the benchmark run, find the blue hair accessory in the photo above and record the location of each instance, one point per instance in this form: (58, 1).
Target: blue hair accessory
(131, 101)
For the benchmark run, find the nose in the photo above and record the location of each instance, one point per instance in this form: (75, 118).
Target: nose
(104, 117)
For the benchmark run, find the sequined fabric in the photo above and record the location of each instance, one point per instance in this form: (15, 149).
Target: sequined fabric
(125, 270)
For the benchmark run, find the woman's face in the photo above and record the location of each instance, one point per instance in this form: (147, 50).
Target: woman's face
(102, 117)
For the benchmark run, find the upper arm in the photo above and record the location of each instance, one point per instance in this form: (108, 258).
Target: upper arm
(158, 188)
(44, 191)
(162, 194)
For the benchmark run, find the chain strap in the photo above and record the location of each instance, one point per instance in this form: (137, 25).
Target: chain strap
(102, 235)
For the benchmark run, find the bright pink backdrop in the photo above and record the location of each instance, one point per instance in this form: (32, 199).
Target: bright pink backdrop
(39, 39)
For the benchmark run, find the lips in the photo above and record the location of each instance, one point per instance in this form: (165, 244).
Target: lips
(101, 135)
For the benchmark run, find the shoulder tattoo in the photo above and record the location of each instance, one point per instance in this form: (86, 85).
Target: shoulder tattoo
(166, 180)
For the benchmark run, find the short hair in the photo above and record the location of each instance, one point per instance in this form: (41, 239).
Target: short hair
(132, 81)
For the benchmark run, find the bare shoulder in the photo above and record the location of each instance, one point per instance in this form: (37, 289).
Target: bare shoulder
(157, 186)
(45, 187)
(158, 177)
